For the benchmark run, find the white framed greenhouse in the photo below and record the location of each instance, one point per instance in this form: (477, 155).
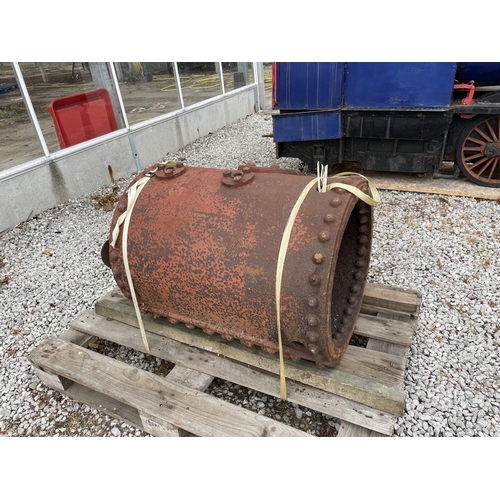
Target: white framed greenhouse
(65, 125)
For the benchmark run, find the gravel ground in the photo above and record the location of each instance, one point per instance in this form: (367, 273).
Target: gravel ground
(446, 247)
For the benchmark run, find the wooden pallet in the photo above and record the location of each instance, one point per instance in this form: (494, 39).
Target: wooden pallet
(365, 391)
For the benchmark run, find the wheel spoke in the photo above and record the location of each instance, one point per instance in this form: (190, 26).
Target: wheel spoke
(493, 168)
(471, 148)
(477, 141)
(470, 158)
(480, 132)
(495, 138)
(478, 163)
(488, 163)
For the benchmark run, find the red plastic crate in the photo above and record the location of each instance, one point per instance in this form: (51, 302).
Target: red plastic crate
(80, 117)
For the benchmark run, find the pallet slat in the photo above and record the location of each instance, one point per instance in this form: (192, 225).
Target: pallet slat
(388, 330)
(388, 297)
(163, 400)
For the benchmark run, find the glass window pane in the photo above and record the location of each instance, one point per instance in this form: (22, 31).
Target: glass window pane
(237, 74)
(74, 102)
(199, 81)
(18, 140)
(148, 89)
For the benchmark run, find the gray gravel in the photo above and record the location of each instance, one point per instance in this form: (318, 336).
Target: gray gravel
(446, 247)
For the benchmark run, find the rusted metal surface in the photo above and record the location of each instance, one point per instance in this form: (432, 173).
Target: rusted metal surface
(203, 246)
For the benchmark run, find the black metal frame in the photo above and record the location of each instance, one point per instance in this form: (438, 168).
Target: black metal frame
(395, 140)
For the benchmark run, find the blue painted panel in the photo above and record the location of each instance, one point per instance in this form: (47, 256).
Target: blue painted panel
(483, 73)
(398, 85)
(307, 126)
(308, 85)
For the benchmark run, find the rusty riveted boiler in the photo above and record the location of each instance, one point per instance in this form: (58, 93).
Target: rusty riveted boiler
(203, 246)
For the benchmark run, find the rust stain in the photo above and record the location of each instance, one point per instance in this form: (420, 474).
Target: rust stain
(254, 271)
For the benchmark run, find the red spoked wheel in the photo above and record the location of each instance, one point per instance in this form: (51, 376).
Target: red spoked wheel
(478, 151)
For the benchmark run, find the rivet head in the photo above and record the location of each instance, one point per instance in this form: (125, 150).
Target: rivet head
(329, 218)
(362, 251)
(363, 209)
(315, 279)
(355, 288)
(363, 219)
(360, 263)
(349, 311)
(358, 276)
(363, 228)
(312, 320)
(335, 202)
(237, 175)
(122, 206)
(312, 336)
(314, 349)
(114, 255)
(318, 258)
(324, 236)
(190, 326)
(363, 239)
(117, 272)
(339, 190)
(173, 321)
(351, 300)
(342, 330)
(312, 301)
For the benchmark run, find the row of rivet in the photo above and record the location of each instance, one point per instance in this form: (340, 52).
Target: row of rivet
(318, 258)
(360, 263)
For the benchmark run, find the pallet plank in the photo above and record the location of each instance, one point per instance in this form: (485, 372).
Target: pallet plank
(376, 366)
(186, 377)
(351, 430)
(389, 330)
(111, 406)
(393, 298)
(238, 373)
(167, 401)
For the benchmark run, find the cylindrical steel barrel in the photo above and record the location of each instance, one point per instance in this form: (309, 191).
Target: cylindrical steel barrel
(203, 248)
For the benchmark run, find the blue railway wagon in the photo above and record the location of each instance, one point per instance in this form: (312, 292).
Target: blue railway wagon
(396, 117)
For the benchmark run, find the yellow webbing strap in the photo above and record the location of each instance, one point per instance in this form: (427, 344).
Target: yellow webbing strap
(279, 273)
(132, 195)
(373, 200)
